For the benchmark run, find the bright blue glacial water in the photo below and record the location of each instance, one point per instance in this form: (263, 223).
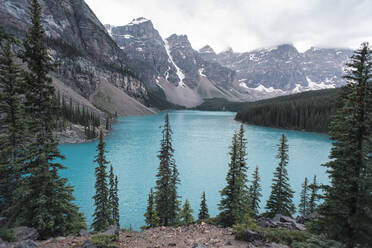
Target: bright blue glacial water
(201, 141)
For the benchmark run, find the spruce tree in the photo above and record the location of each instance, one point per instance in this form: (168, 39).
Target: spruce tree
(348, 201)
(166, 198)
(114, 198)
(303, 207)
(235, 202)
(14, 136)
(314, 197)
(203, 212)
(280, 200)
(151, 216)
(186, 214)
(44, 200)
(255, 191)
(102, 214)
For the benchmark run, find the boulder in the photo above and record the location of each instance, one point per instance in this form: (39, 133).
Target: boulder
(3, 244)
(3, 221)
(251, 236)
(282, 218)
(83, 233)
(198, 245)
(25, 244)
(22, 233)
(88, 244)
(307, 218)
(265, 222)
(112, 230)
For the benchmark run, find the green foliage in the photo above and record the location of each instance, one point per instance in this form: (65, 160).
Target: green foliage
(255, 191)
(166, 197)
(102, 213)
(316, 242)
(281, 197)
(151, 216)
(235, 200)
(285, 236)
(303, 207)
(203, 212)
(247, 223)
(7, 235)
(185, 214)
(105, 241)
(114, 197)
(348, 201)
(219, 104)
(308, 111)
(44, 200)
(314, 196)
(14, 132)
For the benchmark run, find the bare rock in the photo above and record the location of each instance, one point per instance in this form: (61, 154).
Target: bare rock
(25, 244)
(282, 218)
(83, 233)
(22, 233)
(88, 244)
(251, 236)
(198, 245)
(112, 230)
(3, 244)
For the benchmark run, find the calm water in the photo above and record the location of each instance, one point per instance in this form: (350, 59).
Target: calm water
(201, 141)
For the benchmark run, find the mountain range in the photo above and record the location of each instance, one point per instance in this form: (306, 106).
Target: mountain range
(131, 69)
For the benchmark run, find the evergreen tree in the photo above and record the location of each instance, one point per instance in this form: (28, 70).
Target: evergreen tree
(348, 201)
(186, 214)
(255, 191)
(151, 216)
(13, 138)
(303, 207)
(166, 198)
(44, 201)
(280, 201)
(114, 198)
(203, 212)
(235, 202)
(102, 214)
(313, 195)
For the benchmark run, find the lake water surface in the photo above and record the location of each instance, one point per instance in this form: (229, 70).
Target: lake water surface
(201, 141)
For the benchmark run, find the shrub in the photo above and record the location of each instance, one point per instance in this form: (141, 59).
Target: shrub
(316, 241)
(7, 235)
(284, 236)
(104, 241)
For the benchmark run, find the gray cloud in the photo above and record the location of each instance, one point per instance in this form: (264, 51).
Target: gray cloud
(249, 24)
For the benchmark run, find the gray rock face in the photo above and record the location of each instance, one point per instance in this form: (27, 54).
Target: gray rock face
(88, 244)
(3, 244)
(251, 236)
(25, 244)
(83, 233)
(86, 53)
(284, 68)
(280, 221)
(112, 230)
(22, 233)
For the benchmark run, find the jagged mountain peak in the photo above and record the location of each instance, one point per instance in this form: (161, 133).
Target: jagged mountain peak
(139, 20)
(206, 49)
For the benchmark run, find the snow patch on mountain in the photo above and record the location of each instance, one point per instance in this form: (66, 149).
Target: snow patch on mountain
(318, 86)
(261, 88)
(138, 21)
(179, 72)
(201, 72)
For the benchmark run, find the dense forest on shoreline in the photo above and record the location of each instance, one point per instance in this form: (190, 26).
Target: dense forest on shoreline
(309, 111)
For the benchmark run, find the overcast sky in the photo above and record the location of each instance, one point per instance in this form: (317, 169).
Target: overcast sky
(245, 25)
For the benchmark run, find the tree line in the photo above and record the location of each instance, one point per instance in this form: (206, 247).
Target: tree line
(310, 111)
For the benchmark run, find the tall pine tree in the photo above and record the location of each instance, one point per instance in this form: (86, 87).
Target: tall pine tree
(303, 207)
(348, 201)
(314, 197)
(12, 116)
(114, 197)
(255, 191)
(166, 198)
(102, 213)
(235, 202)
(203, 212)
(151, 216)
(281, 197)
(44, 199)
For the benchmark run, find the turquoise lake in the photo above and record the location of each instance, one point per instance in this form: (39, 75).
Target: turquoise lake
(201, 141)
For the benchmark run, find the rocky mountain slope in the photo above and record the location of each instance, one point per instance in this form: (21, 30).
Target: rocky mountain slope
(89, 60)
(282, 69)
(172, 66)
